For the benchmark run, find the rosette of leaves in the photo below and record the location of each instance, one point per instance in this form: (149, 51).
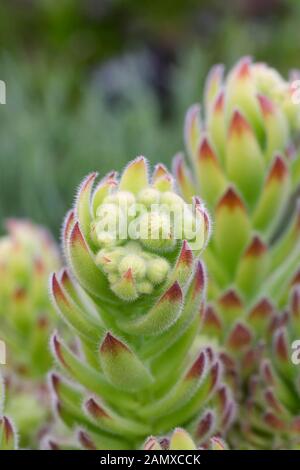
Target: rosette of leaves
(243, 149)
(133, 300)
(27, 256)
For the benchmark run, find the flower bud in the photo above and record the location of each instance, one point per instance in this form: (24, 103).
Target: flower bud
(135, 263)
(148, 197)
(156, 232)
(157, 270)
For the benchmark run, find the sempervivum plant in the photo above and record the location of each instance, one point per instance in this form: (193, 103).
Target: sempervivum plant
(181, 440)
(132, 294)
(27, 256)
(8, 435)
(243, 148)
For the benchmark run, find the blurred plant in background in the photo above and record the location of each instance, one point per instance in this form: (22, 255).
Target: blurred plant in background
(27, 256)
(52, 133)
(244, 152)
(89, 83)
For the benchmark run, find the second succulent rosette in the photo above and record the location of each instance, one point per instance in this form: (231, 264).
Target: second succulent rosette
(244, 150)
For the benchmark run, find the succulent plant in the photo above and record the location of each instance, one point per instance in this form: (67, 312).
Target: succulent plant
(244, 153)
(181, 440)
(133, 300)
(272, 411)
(27, 256)
(8, 435)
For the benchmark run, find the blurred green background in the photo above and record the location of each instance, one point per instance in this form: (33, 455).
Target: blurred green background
(93, 83)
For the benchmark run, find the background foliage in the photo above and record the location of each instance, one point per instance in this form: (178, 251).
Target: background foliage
(91, 84)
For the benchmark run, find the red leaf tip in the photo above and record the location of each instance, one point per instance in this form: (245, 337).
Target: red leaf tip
(86, 441)
(186, 254)
(76, 235)
(278, 170)
(256, 247)
(281, 346)
(174, 293)
(95, 409)
(230, 300)
(243, 68)
(55, 381)
(128, 276)
(219, 103)
(88, 180)
(266, 105)
(211, 319)
(238, 125)
(231, 200)
(197, 368)
(205, 424)
(263, 309)
(199, 277)
(8, 429)
(206, 151)
(240, 336)
(111, 345)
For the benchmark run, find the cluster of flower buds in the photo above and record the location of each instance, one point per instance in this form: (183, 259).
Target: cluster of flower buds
(135, 302)
(244, 152)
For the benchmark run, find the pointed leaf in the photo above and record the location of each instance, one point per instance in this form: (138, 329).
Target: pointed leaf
(183, 178)
(87, 376)
(135, 176)
(73, 315)
(192, 130)
(253, 268)
(84, 267)
(8, 438)
(273, 199)
(122, 367)
(232, 229)
(83, 206)
(110, 421)
(103, 189)
(159, 318)
(244, 159)
(210, 174)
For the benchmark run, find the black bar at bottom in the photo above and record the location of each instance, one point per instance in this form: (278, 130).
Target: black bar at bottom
(135, 459)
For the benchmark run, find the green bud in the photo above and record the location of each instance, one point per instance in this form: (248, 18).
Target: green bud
(157, 270)
(156, 232)
(135, 263)
(148, 197)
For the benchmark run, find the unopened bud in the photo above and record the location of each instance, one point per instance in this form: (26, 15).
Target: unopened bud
(144, 287)
(149, 196)
(157, 270)
(135, 263)
(156, 232)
